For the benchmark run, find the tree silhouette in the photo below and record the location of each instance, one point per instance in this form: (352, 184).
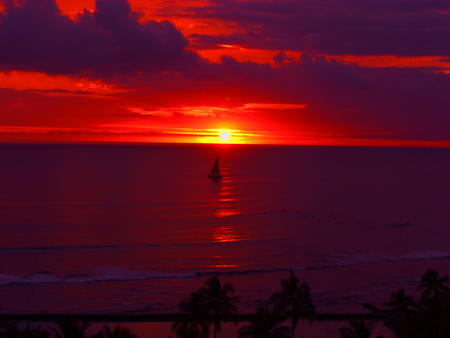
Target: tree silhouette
(296, 297)
(12, 330)
(264, 324)
(67, 327)
(432, 319)
(118, 332)
(218, 304)
(399, 312)
(358, 329)
(432, 285)
(193, 322)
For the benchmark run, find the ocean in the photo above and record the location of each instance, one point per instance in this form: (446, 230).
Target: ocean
(134, 229)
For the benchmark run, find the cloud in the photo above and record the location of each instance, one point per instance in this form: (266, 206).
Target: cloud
(330, 97)
(320, 95)
(35, 36)
(281, 58)
(245, 69)
(149, 66)
(369, 27)
(271, 106)
(202, 111)
(402, 102)
(57, 83)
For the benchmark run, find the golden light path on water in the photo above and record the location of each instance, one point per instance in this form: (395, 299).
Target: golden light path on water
(223, 202)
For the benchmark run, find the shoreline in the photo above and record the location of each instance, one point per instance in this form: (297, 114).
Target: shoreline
(161, 318)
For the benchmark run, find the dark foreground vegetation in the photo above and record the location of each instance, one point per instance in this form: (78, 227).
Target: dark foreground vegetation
(213, 304)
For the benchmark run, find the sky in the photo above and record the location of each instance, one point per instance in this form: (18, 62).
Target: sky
(319, 72)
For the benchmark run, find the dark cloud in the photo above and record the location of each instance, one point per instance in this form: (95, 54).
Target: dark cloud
(35, 36)
(281, 58)
(364, 27)
(407, 102)
(247, 69)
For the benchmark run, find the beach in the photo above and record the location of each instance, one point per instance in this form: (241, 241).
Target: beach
(154, 326)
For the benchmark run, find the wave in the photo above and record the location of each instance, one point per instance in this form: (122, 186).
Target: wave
(124, 275)
(77, 247)
(366, 258)
(101, 276)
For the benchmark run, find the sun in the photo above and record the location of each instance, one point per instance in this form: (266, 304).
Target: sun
(224, 136)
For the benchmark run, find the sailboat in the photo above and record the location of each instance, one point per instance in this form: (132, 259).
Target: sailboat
(215, 171)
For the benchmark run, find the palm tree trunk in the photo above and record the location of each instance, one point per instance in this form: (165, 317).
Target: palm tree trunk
(292, 327)
(215, 323)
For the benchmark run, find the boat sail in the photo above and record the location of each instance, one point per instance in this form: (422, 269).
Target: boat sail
(215, 171)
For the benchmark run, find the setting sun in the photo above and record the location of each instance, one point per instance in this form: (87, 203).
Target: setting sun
(224, 136)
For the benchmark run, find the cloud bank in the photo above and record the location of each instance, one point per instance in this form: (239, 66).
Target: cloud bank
(344, 27)
(36, 36)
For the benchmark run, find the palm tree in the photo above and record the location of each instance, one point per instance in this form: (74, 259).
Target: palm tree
(399, 312)
(11, 330)
(193, 321)
(67, 327)
(358, 329)
(432, 319)
(218, 303)
(37, 332)
(432, 285)
(295, 296)
(118, 332)
(265, 325)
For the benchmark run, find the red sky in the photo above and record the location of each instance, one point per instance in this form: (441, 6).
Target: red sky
(292, 72)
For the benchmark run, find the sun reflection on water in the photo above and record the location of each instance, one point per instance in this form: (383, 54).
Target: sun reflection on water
(223, 262)
(225, 204)
(223, 197)
(227, 234)
(224, 213)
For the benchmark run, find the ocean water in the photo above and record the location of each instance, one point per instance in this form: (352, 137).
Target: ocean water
(133, 229)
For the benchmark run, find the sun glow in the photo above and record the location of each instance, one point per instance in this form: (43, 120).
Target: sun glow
(224, 136)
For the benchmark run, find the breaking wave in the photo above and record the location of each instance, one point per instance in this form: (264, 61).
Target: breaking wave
(124, 275)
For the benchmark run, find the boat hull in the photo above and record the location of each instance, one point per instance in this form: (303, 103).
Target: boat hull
(215, 176)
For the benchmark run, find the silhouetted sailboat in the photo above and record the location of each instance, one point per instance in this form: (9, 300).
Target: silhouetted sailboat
(215, 171)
